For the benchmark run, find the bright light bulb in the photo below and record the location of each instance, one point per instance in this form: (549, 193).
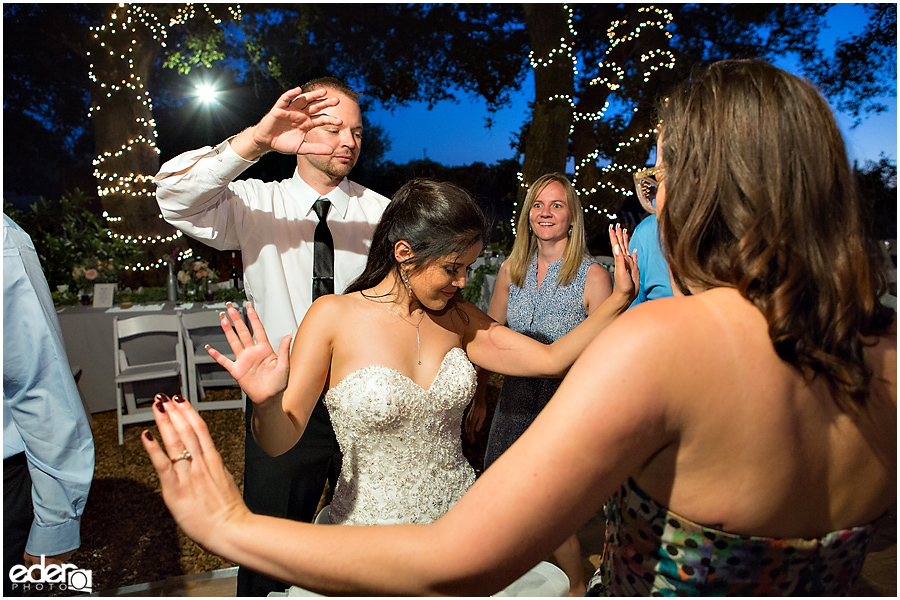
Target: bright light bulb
(206, 93)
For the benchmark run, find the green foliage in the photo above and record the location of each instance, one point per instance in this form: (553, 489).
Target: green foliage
(864, 66)
(142, 295)
(201, 49)
(64, 298)
(475, 283)
(229, 295)
(66, 233)
(878, 187)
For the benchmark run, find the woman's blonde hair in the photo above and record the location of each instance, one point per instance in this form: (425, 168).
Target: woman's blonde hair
(526, 243)
(760, 197)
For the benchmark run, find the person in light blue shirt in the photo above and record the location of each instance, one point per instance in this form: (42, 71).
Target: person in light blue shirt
(48, 450)
(651, 262)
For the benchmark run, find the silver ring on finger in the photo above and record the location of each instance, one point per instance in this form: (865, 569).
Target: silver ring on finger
(185, 455)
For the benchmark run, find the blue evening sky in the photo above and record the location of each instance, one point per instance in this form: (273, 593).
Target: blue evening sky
(455, 134)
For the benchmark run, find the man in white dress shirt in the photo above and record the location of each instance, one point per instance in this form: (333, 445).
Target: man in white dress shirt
(273, 225)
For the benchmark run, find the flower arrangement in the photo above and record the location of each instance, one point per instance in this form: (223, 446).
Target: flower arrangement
(195, 277)
(93, 270)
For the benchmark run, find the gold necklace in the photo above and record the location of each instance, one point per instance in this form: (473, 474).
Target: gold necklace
(416, 325)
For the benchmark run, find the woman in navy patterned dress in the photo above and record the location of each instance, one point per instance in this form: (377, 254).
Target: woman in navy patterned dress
(547, 287)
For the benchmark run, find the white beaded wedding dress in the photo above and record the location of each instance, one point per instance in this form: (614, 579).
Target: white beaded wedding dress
(403, 460)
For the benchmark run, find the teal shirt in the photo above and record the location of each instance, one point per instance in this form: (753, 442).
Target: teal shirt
(655, 281)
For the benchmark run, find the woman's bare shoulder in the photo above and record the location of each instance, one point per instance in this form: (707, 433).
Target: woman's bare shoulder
(335, 308)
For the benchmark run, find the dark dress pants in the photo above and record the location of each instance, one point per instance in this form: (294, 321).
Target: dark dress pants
(289, 485)
(18, 513)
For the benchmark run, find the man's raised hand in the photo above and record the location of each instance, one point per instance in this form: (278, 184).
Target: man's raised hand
(285, 126)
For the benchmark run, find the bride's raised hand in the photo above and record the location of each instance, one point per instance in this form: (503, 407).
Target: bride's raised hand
(627, 275)
(258, 370)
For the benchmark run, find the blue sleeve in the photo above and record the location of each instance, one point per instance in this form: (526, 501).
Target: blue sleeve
(655, 282)
(42, 411)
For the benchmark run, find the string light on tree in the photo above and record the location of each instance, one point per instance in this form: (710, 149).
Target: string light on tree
(161, 262)
(612, 76)
(126, 23)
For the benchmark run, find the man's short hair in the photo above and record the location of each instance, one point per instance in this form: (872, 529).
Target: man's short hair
(333, 83)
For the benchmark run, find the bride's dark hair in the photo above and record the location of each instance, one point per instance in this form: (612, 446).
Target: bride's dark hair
(435, 218)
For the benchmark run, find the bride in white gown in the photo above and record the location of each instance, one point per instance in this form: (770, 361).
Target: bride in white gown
(394, 353)
(403, 460)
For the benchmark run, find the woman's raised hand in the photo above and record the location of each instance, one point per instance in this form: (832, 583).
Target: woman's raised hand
(627, 275)
(196, 485)
(258, 370)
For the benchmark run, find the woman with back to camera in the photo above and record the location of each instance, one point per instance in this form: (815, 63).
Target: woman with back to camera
(754, 457)
(545, 289)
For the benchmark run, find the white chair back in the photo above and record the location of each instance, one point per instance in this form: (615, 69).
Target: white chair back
(149, 358)
(199, 329)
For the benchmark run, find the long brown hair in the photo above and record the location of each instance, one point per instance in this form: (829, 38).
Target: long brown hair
(526, 243)
(760, 197)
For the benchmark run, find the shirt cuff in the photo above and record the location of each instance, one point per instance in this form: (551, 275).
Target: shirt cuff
(50, 540)
(221, 160)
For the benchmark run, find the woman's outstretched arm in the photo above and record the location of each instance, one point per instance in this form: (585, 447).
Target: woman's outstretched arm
(578, 451)
(502, 350)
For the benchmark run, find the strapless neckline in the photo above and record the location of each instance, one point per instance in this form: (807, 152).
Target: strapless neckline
(402, 448)
(362, 371)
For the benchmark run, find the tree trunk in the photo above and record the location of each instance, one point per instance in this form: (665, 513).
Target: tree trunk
(122, 55)
(547, 142)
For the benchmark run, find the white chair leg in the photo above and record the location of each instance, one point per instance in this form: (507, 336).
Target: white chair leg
(119, 413)
(192, 386)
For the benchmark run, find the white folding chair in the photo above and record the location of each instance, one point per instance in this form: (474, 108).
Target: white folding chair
(201, 328)
(149, 355)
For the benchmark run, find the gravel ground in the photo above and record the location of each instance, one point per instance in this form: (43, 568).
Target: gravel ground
(128, 535)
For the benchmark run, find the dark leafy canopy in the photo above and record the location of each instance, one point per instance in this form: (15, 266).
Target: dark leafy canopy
(46, 132)
(396, 53)
(864, 66)
(878, 187)
(399, 53)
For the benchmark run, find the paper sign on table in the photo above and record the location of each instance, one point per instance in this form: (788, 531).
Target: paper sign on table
(103, 294)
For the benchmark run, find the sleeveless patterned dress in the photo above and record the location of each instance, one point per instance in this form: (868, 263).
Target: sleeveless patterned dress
(651, 551)
(545, 314)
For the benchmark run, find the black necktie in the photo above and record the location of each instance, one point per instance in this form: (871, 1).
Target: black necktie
(323, 253)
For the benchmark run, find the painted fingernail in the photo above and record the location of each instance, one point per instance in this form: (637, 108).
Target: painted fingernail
(222, 315)
(160, 407)
(228, 305)
(207, 346)
(161, 398)
(177, 398)
(148, 435)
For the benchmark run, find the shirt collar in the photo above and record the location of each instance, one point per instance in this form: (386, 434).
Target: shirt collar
(339, 196)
